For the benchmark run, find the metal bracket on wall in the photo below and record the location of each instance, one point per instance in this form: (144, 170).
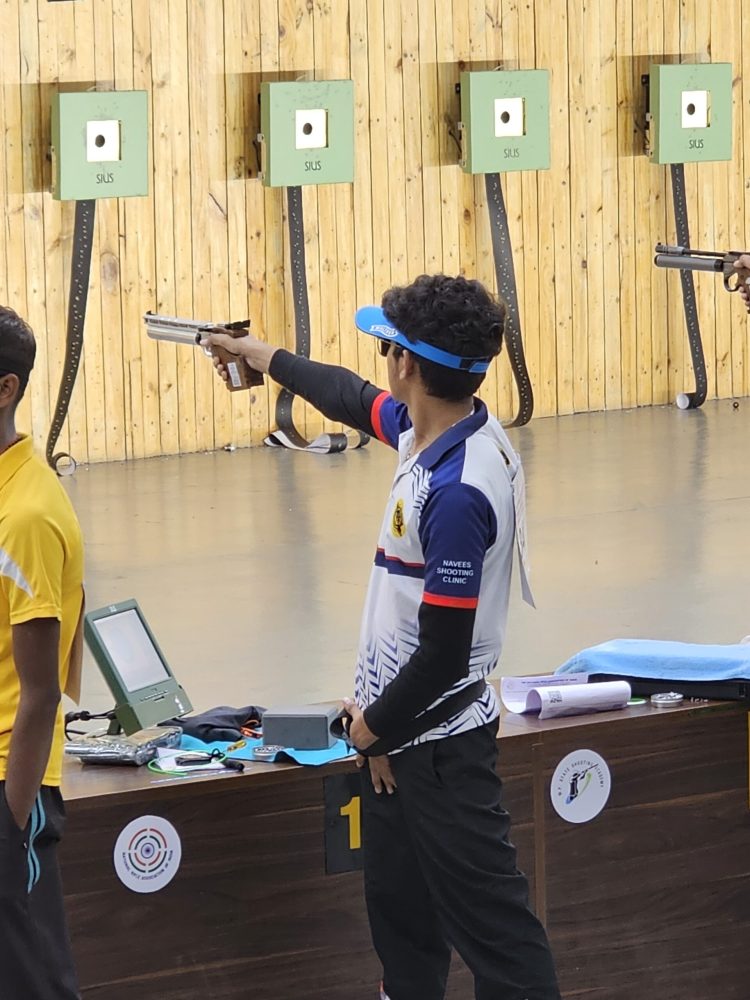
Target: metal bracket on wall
(646, 82)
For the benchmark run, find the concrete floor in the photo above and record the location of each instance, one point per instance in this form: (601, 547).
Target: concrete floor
(251, 566)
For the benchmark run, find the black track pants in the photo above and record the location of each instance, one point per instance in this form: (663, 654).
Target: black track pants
(35, 958)
(440, 872)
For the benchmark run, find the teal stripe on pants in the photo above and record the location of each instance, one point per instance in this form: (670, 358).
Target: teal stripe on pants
(38, 820)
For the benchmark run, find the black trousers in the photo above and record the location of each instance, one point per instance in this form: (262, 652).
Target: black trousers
(35, 956)
(440, 872)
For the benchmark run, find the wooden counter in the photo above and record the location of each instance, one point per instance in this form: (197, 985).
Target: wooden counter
(649, 900)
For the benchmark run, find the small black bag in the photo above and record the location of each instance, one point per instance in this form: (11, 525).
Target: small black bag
(221, 724)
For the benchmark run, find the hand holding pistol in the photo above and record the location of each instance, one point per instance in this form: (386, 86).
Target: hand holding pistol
(239, 373)
(743, 269)
(726, 264)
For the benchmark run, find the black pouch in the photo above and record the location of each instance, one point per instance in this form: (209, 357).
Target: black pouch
(221, 724)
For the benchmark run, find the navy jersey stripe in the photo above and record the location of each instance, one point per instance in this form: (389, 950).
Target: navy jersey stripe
(397, 567)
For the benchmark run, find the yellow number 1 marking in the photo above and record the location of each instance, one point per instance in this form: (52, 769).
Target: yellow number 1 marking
(352, 812)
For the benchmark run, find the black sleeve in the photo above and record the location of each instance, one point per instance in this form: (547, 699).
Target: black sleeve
(440, 660)
(338, 393)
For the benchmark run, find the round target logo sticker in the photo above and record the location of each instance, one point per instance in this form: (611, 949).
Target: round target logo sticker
(147, 854)
(580, 786)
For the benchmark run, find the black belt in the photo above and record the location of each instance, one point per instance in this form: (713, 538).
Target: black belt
(287, 435)
(83, 239)
(697, 398)
(506, 286)
(417, 727)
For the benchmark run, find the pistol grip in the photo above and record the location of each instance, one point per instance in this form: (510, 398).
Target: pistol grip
(740, 277)
(241, 375)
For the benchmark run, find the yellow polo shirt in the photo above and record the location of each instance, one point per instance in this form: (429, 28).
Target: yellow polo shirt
(41, 576)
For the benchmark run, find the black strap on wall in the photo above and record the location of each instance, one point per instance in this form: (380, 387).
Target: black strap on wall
(287, 435)
(697, 398)
(83, 239)
(506, 286)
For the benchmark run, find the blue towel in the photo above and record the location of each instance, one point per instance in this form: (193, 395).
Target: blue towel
(662, 660)
(312, 758)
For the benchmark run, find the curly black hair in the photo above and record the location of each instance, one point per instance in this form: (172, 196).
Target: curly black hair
(457, 315)
(17, 348)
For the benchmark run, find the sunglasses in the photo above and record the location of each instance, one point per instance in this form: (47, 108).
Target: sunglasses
(384, 347)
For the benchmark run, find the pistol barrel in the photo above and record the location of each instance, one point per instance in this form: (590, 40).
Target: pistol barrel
(682, 262)
(174, 329)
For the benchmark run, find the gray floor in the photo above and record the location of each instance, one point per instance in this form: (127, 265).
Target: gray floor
(251, 566)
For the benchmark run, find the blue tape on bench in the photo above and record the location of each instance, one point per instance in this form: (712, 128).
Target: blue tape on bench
(310, 758)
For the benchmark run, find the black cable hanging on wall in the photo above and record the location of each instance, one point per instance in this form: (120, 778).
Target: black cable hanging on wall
(286, 435)
(688, 400)
(83, 239)
(506, 286)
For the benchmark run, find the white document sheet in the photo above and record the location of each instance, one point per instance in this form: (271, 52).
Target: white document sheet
(564, 694)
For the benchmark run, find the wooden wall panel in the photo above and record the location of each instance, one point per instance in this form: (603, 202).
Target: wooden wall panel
(620, 267)
(602, 327)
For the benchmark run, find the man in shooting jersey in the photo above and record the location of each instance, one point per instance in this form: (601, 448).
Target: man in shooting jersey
(41, 602)
(440, 871)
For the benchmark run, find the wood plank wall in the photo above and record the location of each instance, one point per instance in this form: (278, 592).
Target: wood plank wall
(602, 327)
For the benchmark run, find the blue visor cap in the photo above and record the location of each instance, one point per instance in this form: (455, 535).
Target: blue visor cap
(372, 320)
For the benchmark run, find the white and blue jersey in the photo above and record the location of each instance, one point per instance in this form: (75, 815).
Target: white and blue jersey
(446, 540)
(437, 603)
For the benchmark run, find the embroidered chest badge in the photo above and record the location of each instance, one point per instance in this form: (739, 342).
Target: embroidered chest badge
(398, 523)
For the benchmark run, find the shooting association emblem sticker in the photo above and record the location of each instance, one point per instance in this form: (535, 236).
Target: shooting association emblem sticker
(398, 523)
(147, 854)
(580, 786)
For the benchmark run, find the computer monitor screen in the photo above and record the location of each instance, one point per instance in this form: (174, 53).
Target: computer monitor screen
(146, 691)
(131, 650)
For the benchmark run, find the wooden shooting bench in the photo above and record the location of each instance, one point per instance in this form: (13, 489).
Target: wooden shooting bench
(649, 900)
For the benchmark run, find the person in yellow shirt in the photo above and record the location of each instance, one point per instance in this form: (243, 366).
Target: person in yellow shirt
(41, 606)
